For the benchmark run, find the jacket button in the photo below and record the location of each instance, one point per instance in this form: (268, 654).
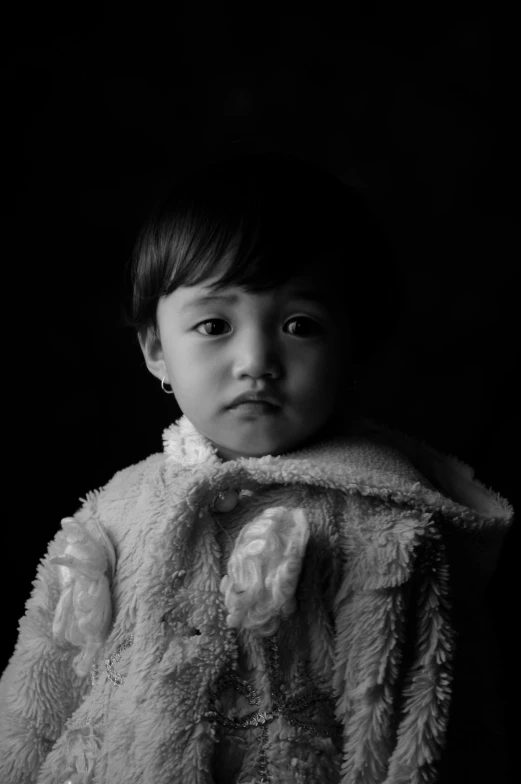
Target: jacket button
(225, 501)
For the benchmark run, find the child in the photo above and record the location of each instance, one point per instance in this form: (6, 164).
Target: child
(272, 598)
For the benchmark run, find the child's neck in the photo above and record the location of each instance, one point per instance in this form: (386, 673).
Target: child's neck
(335, 427)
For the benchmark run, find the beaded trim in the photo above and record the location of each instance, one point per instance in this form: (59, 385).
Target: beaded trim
(115, 677)
(282, 705)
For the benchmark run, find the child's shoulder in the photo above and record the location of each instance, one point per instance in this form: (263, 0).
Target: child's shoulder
(131, 480)
(138, 472)
(126, 485)
(126, 498)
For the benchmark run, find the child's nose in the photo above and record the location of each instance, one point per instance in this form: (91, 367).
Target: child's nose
(257, 354)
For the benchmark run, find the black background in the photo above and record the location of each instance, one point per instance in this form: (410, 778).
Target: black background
(105, 108)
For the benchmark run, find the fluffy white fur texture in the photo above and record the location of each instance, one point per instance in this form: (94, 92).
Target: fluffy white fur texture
(263, 570)
(84, 611)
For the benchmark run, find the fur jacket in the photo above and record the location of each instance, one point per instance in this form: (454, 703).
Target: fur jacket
(126, 671)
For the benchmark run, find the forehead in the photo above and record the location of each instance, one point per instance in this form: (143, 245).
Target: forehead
(302, 287)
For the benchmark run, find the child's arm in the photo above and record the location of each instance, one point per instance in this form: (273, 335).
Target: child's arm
(39, 688)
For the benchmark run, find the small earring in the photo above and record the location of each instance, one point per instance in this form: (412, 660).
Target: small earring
(167, 391)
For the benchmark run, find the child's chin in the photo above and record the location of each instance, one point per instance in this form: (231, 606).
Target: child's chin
(256, 437)
(252, 450)
(232, 448)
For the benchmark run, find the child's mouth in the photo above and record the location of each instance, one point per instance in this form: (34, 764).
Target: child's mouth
(256, 407)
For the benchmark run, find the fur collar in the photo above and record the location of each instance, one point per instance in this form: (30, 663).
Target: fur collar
(375, 460)
(388, 458)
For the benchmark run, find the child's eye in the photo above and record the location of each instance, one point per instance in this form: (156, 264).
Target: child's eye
(210, 322)
(303, 327)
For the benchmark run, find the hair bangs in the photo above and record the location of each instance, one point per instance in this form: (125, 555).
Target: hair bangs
(227, 231)
(257, 221)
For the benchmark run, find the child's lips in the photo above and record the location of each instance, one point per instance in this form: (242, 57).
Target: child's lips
(255, 407)
(257, 398)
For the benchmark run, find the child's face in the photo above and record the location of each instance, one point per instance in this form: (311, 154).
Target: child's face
(279, 342)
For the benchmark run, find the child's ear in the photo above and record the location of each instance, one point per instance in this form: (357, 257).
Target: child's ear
(150, 343)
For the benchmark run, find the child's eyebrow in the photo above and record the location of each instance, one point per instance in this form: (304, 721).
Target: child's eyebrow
(311, 295)
(206, 298)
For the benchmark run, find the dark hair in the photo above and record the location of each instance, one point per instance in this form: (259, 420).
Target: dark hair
(273, 216)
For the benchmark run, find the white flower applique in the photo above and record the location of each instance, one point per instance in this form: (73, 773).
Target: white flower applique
(84, 610)
(264, 568)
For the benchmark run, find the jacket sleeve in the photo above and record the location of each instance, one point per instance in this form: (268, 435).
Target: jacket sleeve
(478, 711)
(451, 726)
(39, 689)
